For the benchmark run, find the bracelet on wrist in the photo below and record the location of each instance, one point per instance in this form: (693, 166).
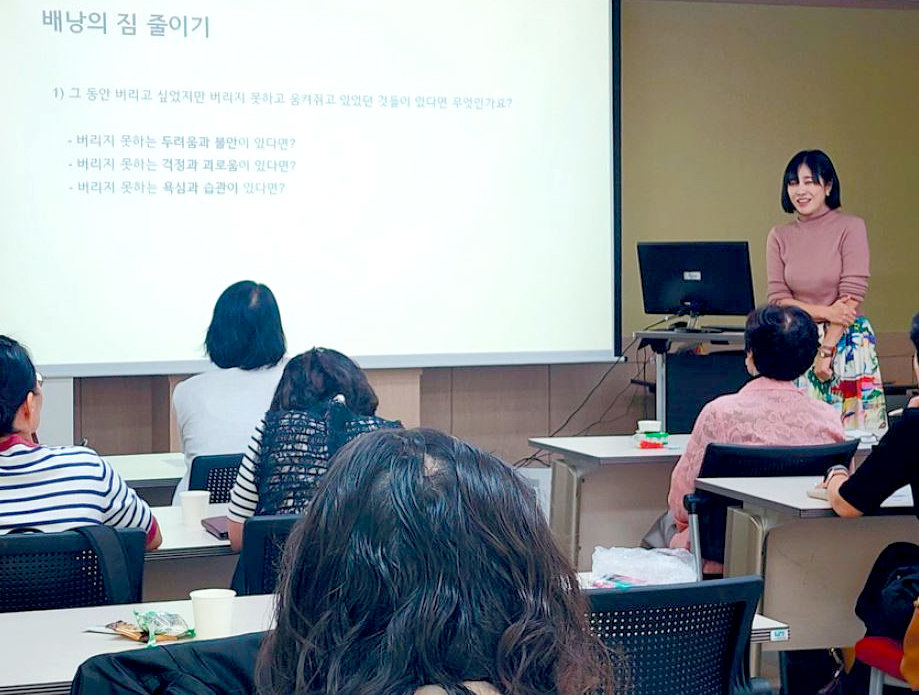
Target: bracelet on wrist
(827, 351)
(834, 471)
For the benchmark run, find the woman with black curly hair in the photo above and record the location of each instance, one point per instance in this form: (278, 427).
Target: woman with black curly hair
(424, 565)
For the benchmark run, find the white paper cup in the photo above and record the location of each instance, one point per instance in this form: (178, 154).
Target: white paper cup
(649, 425)
(213, 609)
(194, 506)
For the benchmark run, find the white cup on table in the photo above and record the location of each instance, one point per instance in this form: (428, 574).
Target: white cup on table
(194, 506)
(213, 610)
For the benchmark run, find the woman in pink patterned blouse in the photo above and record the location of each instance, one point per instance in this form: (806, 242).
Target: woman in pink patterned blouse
(781, 343)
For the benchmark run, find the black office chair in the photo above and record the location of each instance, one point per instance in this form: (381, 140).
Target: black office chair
(679, 639)
(90, 566)
(216, 474)
(708, 511)
(263, 545)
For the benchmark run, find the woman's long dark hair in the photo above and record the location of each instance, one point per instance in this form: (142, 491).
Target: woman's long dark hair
(319, 374)
(423, 560)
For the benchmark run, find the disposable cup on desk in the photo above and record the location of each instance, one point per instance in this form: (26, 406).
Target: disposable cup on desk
(213, 609)
(194, 506)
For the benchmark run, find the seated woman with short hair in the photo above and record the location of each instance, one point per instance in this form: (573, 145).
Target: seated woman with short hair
(781, 344)
(322, 402)
(216, 410)
(425, 566)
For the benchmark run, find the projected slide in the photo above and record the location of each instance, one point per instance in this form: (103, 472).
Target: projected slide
(420, 183)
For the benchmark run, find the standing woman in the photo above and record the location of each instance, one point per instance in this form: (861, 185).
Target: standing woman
(819, 263)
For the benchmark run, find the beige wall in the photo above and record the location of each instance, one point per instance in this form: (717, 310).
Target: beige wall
(716, 97)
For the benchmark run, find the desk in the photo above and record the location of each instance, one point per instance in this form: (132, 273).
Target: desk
(64, 645)
(813, 562)
(606, 491)
(189, 558)
(154, 476)
(787, 496)
(42, 649)
(612, 507)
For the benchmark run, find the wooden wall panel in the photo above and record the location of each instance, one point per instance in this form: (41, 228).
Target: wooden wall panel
(116, 414)
(498, 408)
(437, 399)
(399, 391)
(895, 353)
(615, 406)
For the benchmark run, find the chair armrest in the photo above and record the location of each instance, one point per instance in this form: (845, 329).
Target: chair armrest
(693, 502)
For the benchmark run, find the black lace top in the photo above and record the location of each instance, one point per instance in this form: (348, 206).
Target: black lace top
(296, 446)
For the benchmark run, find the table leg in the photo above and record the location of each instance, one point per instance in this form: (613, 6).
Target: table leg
(565, 510)
(660, 391)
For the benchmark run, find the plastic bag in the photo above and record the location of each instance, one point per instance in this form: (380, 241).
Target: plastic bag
(624, 567)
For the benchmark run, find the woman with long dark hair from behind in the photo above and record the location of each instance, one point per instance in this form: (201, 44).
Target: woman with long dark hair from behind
(424, 565)
(322, 401)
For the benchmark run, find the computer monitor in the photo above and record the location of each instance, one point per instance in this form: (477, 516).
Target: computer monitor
(696, 278)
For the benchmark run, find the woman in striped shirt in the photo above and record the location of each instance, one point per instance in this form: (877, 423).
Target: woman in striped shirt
(55, 488)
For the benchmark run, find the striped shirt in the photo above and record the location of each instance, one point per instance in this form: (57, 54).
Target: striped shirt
(62, 487)
(244, 495)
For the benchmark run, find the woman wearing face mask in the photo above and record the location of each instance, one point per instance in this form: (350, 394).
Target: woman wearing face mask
(819, 263)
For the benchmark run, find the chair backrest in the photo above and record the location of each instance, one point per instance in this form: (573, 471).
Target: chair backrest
(42, 571)
(216, 474)
(677, 639)
(745, 461)
(224, 665)
(263, 545)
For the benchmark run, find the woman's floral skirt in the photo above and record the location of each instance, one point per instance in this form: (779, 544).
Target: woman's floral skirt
(855, 389)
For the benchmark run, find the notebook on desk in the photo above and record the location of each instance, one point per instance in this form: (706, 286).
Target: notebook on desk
(216, 526)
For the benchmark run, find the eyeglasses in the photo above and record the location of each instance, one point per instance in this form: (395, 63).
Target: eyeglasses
(39, 379)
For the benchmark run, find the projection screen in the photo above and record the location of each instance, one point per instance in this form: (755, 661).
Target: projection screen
(420, 183)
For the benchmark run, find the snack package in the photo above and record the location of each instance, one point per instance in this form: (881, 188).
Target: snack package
(153, 627)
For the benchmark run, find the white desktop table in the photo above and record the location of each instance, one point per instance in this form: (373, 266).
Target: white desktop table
(814, 563)
(606, 491)
(149, 470)
(188, 559)
(43, 649)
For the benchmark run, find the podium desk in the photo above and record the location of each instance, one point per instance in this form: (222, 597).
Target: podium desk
(188, 559)
(814, 563)
(606, 491)
(43, 649)
(699, 378)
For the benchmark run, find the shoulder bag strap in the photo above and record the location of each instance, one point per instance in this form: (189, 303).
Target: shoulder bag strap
(112, 561)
